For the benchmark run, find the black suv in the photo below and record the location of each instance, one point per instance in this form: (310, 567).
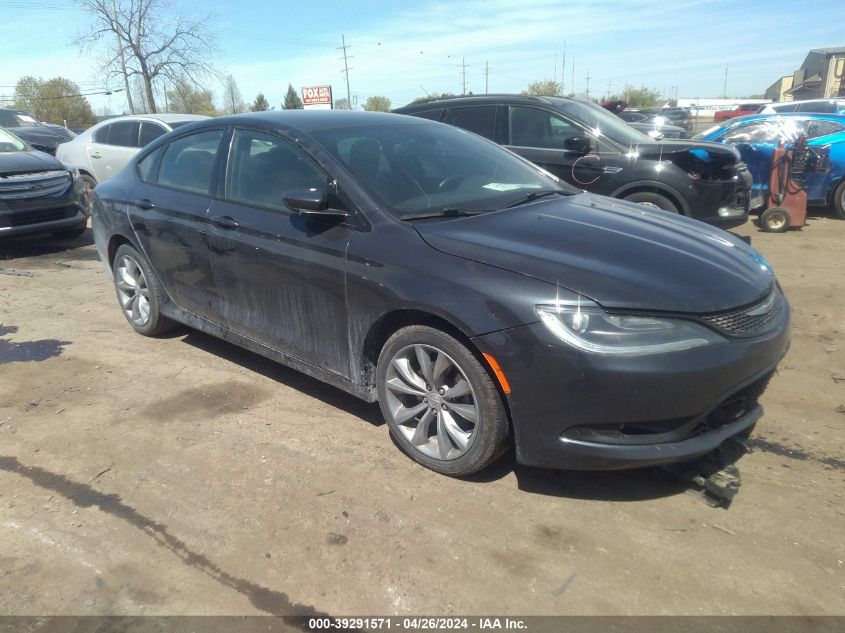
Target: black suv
(595, 150)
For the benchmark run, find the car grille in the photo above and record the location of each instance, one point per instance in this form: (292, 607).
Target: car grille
(751, 320)
(33, 185)
(25, 218)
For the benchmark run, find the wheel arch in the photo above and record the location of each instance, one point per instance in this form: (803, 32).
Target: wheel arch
(659, 188)
(389, 323)
(115, 242)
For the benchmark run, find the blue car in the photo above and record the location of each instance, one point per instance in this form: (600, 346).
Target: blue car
(757, 135)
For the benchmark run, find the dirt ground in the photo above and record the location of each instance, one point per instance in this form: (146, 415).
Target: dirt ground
(182, 475)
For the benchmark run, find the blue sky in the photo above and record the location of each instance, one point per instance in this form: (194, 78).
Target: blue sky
(405, 49)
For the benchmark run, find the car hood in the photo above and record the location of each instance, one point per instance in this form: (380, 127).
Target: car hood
(703, 151)
(39, 135)
(620, 254)
(27, 161)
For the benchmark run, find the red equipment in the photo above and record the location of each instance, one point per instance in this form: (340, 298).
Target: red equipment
(787, 204)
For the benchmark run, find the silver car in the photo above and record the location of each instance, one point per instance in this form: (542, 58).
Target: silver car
(103, 149)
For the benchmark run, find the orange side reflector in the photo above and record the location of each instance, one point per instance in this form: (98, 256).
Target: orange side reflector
(499, 373)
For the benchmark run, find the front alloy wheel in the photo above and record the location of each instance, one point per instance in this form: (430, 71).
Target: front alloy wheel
(431, 401)
(440, 402)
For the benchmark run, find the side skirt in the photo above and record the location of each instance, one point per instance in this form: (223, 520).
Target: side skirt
(368, 394)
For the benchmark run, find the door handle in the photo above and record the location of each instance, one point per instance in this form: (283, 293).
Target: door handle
(96, 155)
(224, 222)
(144, 204)
(611, 170)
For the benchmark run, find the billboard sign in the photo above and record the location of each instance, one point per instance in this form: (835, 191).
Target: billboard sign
(317, 98)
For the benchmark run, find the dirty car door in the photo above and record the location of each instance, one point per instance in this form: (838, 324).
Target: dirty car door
(168, 212)
(280, 274)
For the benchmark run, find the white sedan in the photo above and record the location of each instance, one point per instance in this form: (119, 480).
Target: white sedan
(103, 149)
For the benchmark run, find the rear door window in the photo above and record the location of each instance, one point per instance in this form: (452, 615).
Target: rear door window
(123, 134)
(188, 162)
(102, 135)
(479, 119)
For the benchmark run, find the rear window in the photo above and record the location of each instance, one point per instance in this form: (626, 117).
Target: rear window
(816, 129)
(480, 120)
(822, 107)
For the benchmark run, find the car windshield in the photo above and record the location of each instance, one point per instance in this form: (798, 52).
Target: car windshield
(9, 142)
(604, 124)
(425, 169)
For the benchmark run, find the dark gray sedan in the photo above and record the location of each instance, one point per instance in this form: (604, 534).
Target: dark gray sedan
(478, 299)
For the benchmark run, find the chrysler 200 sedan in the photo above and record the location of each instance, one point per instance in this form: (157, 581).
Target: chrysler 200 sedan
(478, 299)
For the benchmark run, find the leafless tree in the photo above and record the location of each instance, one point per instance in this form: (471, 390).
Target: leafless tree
(232, 101)
(151, 39)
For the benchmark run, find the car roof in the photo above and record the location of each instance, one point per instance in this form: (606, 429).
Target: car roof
(167, 117)
(312, 120)
(786, 115)
(488, 99)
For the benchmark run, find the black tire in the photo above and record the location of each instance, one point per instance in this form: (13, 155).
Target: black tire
(72, 233)
(652, 200)
(155, 322)
(839, 201)
(774, 220)
(90, 184)
(490, 435)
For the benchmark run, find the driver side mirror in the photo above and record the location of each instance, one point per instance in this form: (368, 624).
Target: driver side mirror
(310, 202)
(577, 144)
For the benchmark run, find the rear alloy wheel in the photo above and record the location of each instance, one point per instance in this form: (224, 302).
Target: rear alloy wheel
(654, 200)
(440, 403)
(774, 220)
(139, 293)
(839, 201)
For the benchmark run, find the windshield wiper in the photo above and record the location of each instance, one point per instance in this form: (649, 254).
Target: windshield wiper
(448, 212)
(534, 195)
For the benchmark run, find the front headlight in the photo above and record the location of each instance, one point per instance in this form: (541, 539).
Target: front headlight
(583, 324)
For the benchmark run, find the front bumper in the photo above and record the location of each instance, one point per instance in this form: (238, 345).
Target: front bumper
(572, 410)
(42, 215)
(723, 203)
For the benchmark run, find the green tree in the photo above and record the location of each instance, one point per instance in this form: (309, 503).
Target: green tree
(545, 88)
(260, 104)
(292, 100)
(433, 97)
(54, 100)
(377, 103)
(184, 98)
(641, 97)
(341, 104)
